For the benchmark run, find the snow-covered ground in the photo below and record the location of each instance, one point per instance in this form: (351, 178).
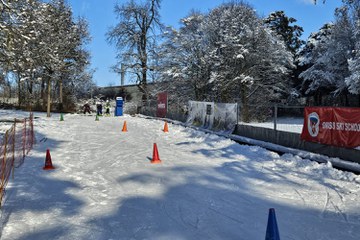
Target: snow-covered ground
(207, 187)
(286, 124)
(7, 118)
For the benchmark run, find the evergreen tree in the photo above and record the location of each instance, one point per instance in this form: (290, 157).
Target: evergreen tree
(353, 81)
(249, 63)
(331, 67)
(228, 55)
(314, 48)
(284, 27)
(184, 59)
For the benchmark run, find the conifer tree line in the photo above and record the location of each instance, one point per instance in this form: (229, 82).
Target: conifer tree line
(329, 61)
(43, 60)
(230, 54)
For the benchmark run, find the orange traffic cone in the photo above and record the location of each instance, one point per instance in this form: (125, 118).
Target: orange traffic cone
(155, 158)
(124, 129)
(48, 163)
(166, 128)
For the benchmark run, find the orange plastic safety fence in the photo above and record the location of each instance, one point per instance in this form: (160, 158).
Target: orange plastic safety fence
(16, 143)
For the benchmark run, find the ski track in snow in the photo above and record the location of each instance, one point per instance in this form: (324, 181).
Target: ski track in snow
(207, 187)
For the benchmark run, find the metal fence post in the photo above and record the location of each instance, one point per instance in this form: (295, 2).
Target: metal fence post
(237, 113)
(275, 115)
(3, 168)
(13, 149)
(24, 139)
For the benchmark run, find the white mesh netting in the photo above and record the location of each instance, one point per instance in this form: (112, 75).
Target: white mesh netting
(220, 117)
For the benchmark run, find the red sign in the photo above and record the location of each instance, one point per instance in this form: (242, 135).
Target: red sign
(333, 126)
(161, 105)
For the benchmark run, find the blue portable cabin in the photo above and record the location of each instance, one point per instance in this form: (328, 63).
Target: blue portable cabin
(119, 106)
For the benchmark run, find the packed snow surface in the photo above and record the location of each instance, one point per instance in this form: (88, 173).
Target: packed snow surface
(286, 124)
(206, 187)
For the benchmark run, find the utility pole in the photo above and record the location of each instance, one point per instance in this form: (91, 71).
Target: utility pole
(122, 74)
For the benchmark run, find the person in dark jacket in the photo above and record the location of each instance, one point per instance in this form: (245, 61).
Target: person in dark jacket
(87, 108)
(99, 108)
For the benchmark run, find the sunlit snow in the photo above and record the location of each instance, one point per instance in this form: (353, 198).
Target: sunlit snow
(207, 187)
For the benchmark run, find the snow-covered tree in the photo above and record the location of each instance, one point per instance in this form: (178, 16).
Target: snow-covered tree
(184, 57)
(229, 29)
(42, 43)
(17, 37)
(249, 63)
(229, 55)
(353, 81)
(315, 47)
(286, 29)
(16, 29)
(59, 46)
(331, 66)
(340, 50)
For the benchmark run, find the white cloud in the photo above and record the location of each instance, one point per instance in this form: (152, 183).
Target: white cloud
(307, 1)
(85, 6)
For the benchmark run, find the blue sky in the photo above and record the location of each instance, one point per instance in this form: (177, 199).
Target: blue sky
(100, 15)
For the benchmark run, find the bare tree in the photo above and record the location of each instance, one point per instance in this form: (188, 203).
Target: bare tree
(135, 36)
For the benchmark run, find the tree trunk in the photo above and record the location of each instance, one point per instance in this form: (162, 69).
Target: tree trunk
(318, 98)
(42, 94)
(61, 91)
(143, 82)
(31, 96)
(48, 96)
(19, 93)
(245, 108)
(143, 59)
(143, 89)
(60, 95)
(347, 103)
(196, 92)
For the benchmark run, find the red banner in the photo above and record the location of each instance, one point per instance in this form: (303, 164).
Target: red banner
(333, 126)
(161, 104)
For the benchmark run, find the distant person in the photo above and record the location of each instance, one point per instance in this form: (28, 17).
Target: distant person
(101, 107)
(87, 108)
(107, 108)
(98, 108)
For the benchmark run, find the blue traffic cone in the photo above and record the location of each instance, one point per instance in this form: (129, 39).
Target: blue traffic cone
(272, 231)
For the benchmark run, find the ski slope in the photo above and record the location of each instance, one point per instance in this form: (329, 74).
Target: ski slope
(207, 187)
